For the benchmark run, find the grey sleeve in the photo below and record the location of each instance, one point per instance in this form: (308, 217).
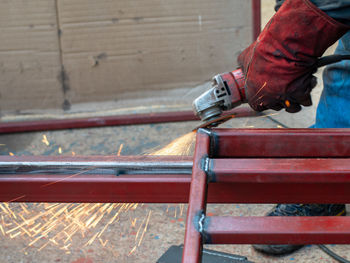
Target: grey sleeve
(337, 9)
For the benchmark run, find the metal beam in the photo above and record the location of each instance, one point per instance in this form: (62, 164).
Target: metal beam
(277, 143)
(95, 188)
(159, 188)
(283, 170)
(256, 6)
(237, 180)
(277, 230)
(102, 121)
(99, 121)
(96, 164)
(193, 245)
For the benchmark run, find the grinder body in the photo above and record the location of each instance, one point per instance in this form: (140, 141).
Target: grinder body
(227, 92)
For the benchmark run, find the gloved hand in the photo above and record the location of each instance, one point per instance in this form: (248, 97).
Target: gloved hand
(278, 66)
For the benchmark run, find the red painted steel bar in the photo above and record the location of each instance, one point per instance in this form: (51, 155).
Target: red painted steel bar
(192, 252)
(256, 5)
(159, 189)
(313, 171)
(292, 143)
(271, 193)
(95, 188)
(130, 119)
(278, 230)
(250, 181)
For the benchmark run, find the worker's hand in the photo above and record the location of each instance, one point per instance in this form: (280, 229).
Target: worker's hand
(279, 66)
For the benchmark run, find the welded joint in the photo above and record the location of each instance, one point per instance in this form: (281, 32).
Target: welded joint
(206, 167)
(200, 221)
(213, 140)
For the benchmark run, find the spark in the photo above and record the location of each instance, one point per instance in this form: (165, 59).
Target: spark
(44, 140)
(11, 154)
(145, 229)
(73, 153)
(57, 223)
(67, 177)
(132, 250)
(133, 222)
(181, 209)
(138, 231)
(180, 146)
(2, 230)
(103, 243)
(257, 93)
(59, 150)
(267, 115)
(17, 234)
(15, 199)
(43, 246)
(120, 150)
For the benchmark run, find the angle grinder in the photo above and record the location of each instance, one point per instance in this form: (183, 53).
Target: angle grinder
(228, 92)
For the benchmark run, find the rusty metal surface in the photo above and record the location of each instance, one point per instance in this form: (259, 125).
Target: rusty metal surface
(192, 252)
(278, 230)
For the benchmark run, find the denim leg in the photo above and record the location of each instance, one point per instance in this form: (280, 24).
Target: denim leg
(333, 110)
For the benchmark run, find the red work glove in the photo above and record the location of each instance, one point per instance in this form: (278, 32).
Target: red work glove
(278, 66)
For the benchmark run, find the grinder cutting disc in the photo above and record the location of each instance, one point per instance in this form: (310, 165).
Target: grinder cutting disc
(215, 122)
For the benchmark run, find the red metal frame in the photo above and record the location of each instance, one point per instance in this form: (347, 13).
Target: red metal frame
(314, 168)
(279, 174)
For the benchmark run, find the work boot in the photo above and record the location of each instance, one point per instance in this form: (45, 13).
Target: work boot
(298, 210)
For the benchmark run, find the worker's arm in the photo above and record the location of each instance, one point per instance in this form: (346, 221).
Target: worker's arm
(278, 67)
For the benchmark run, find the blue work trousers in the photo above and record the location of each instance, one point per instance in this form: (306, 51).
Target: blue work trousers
(333, 110)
